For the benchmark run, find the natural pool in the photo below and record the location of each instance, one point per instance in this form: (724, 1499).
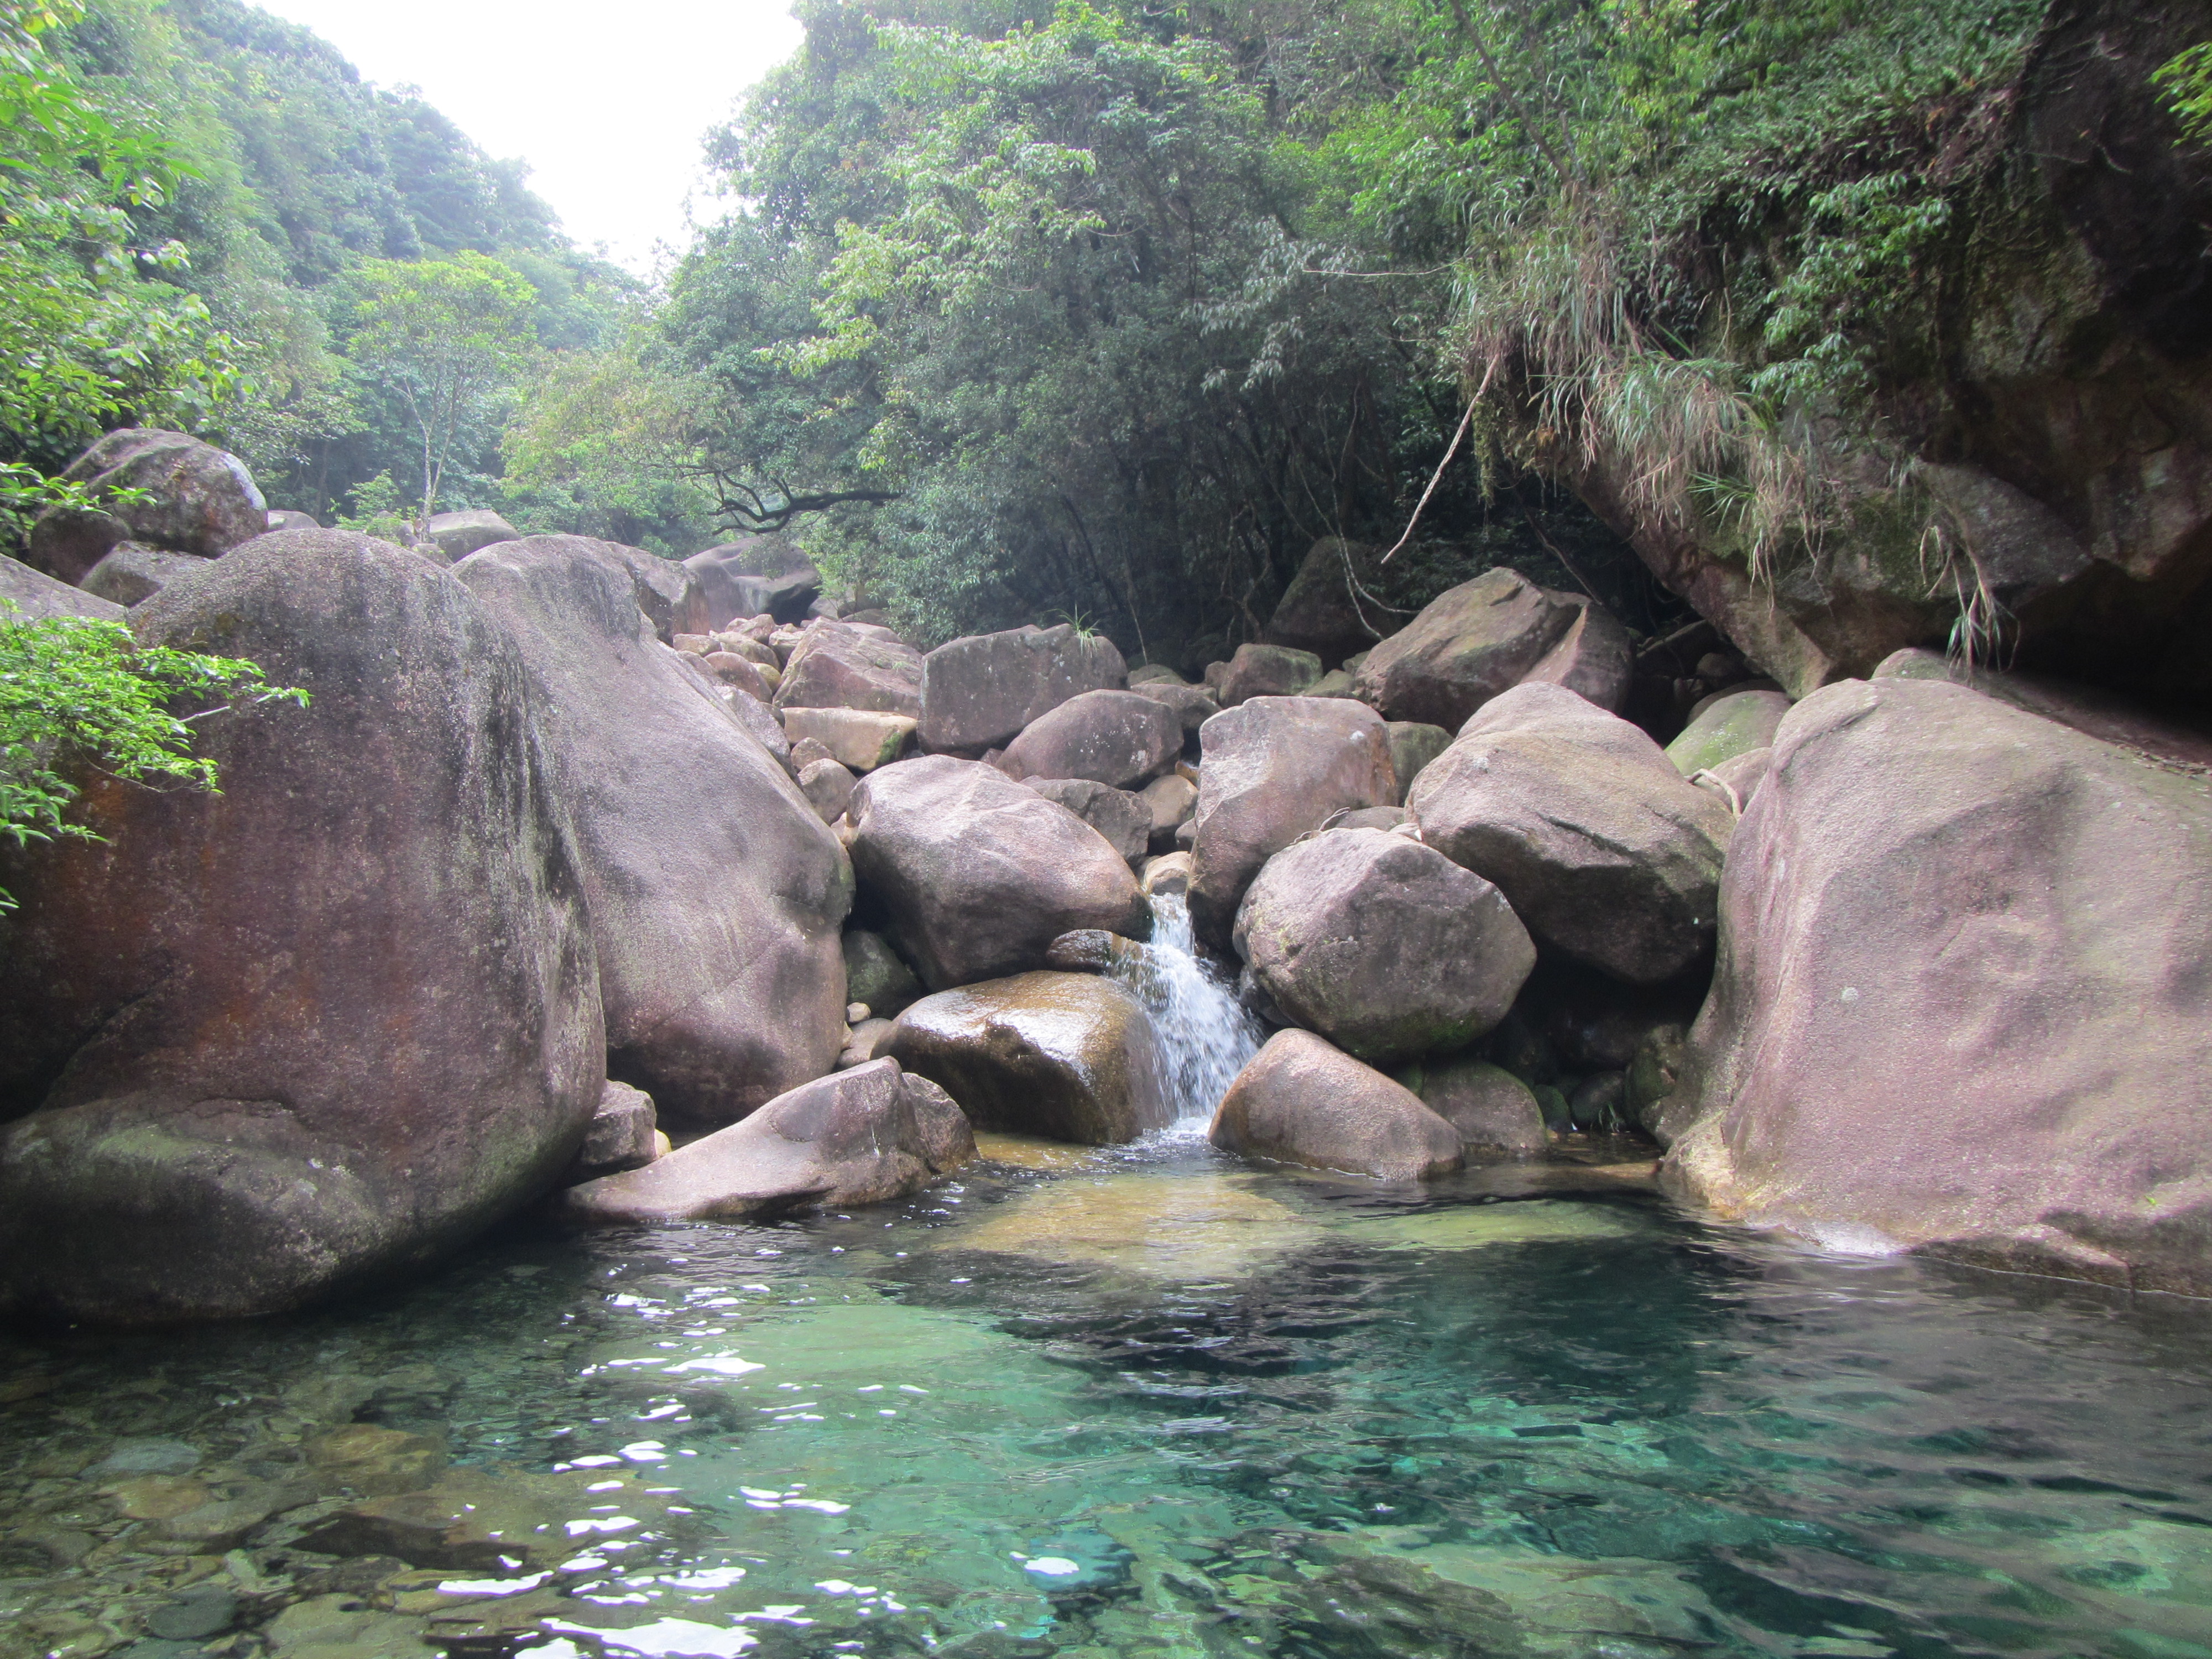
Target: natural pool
(1150, 1402)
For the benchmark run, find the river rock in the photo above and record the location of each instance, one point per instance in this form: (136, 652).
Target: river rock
(1154, 673)
(1194, 705)
(471, 1516)
(979, 874)
(1414, 745)
(858, 738)
(1169, 873)
(836, 666)
(324, 1025)
(855, 1137)
(289, 517)
(1959, 1002)
(28, 595)
(1730, 724)
(199, 499)
(1737, 779)
(739, 674)
(1323, 611)
(1605, 851)
(979, 692)
(716, 891)
(1494, 1111)
(668, 593)
(756, 575)
(622, 1135)
(457, 535)
(1302, 1100)
(131, 572)
(1067, 1056)
(1385, 946)
(827, 785)
(1169, 803)
(1118, 738)
(875, 974)
(1477, 640)
(1124, 819)
(1268, 670)
(1592, 659)
(1273, 768)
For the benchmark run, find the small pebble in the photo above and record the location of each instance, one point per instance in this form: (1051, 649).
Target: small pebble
(855, 1012)
(193, 1617)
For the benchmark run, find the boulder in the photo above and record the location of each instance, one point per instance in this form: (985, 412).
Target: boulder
(1273, 768)
(870, 1039)
(756, 575)
(1494, 1111)
(856, 738)
(739, 674)
(431, 552)
(1115, 738)
(1169, 873)
(622, 1135)
(716, 891)
(1168, 802)
(198, 499)
(28, 595)
(1325, 610)
(1370, 818)
(1593, 658)
(1267, 670)
(1335, 684)
(1736, 780)
(749, 713)
(827, 785)
(286, 517)
(1194, 705)
(1959, 1000)
(875, 974)
(1067, 1056)
(1385, 946)
(1729, 726)
(979, 692)
(131, 571)
(1605, 851)
(836, 666)
(1302, 1100)
(855, 1137)
(1154, 673)
(260, 1045)
(1124, 819)
(1414, 745)
(1477, 640)
(457, 535)
(668, 593)
(979, 874)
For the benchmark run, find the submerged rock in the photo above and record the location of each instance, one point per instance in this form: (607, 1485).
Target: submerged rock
(1071, 1056)
(327, 1024)
(1303, 1100)
(978, 693)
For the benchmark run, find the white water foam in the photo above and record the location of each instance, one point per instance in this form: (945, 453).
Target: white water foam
(1206, 1032)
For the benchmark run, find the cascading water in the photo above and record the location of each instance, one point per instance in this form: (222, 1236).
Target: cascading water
(1206, 1032)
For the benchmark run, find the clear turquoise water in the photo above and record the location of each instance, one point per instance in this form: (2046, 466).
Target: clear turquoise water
(1155, 1403)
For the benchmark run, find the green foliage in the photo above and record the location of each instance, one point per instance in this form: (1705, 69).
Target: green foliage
(74, 689)
(2186, 81)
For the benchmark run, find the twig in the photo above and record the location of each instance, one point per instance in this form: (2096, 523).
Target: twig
(1436, 477)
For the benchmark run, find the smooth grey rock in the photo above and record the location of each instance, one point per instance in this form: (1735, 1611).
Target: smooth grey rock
(1302, 1100)
(1124, 819)
(131, 571)
(33, 595)
(829, 785)
(837, 666)
(457, 535)
(979, 692)
(622, 1135)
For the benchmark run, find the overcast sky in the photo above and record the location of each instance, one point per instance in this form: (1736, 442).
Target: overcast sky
(606, 102)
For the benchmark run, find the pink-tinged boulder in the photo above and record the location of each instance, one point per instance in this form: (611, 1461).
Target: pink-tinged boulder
(1268, 670)
(623, 1134)
(1123, 818)
(1118, 738)
(1960, 1002)
(858, 1136)
(716, 891)
(1605, 851)
(754, 576)
(1594, 658)
(836, 666)
(259, 1046)
(1331, 607)
(1270, 770)
(198, 499)
(1385, 946)
(1192, 704)
(1480, 639)
(979, 873)
(1302, 1100)
(668, 593)
(978, 693)
(27, 595)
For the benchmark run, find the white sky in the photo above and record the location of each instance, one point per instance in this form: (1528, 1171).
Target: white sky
(608, 104)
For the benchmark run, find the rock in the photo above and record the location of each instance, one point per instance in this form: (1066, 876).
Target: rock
(473, 1516)
(131, 571)
(329, 1022)
(1273, 768)
(668, 593)
(1370, 818)
(835, 666)
(751, 716)
(1267, 670)
(756, 575)
(855, 1137)
(2101, 714)
(286, 517)
(1124, 819)
(1493, 1109)
(205, 1610)
(1478, 639)
(145, 1456)
(1192, 704)
(857, 739)
(1067, 1056)
(1959, 999)
(1736, 780)
(620, 1136)
(1596, 1104)
(1730, 726)
(1334, 684)
(199, 499)
(1605, 851)
(1168, 873)
(1323, 610)
(1118, 738)
(805, 751)
(716, 891)
(33, 595)
(1593, 658)
(1647, 1091)
(1168, 802)
(343, 1626)
(979, 874)
(979, 692)
(459, 534)
(868, 1042)
(758, 652)
(1154, 673)
(431, 552)
(874, 974)
(1385, 946)
(1302, 1100)
(370, 1462)
(1091, 950)
(828, 785)
(855, 1012)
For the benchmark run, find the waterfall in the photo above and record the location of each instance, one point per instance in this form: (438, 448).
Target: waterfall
(1204, 1030)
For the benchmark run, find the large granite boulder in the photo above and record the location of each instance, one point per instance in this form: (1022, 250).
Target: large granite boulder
(1268, 670)
(837, 666)
(197, 499)
(624, 1133)
(1961, 998)
(1385, 946)
(1125, 819)
(1301, 1101)
(1194, 705)
(1331, 607)
(1594, 658)
(1478, 639)
(457, 535)
(669, 594)
(978, 693)
(860, 739)
(260, 1045)
(1494, 1111)
(1605, 851)
(754, 576)
(716, 891)
(874, 974)
(1414, 745)
(978, 873)
(1067, 1056)
(1270, 770)
(28, 595)
(856, 1137)
(131, 571)
(1115, 738)
(1727, 726)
